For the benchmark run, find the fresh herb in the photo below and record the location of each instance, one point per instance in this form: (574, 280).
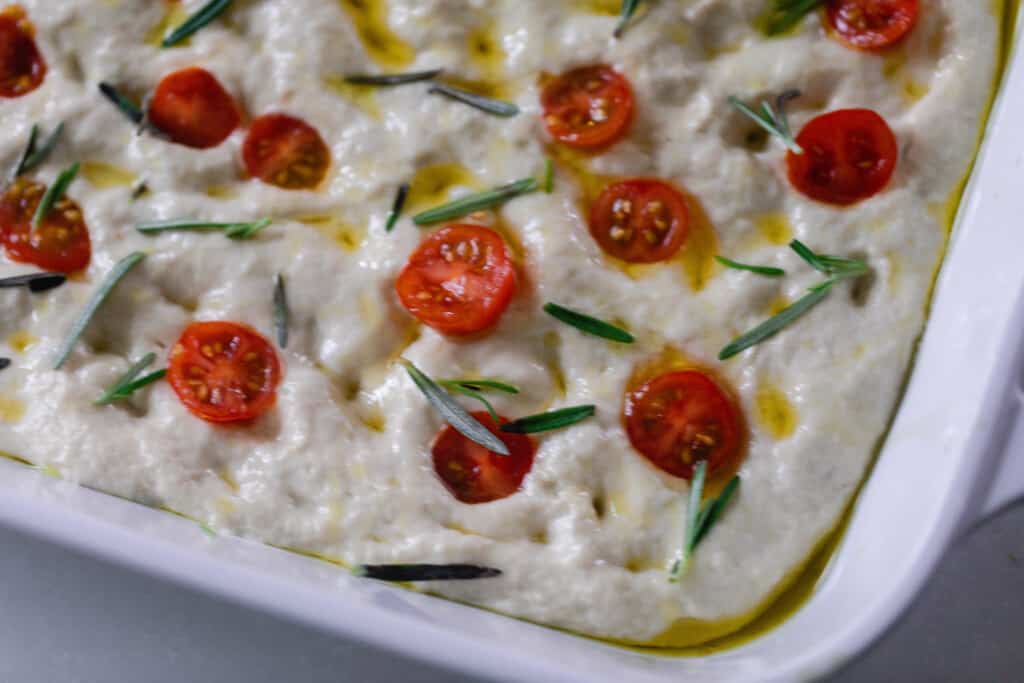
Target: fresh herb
(140, 189)
(387, 80)
(397, 206)
(785, 14)
(453, 413)
(476, 202)
(122, 268)
(546, 422)
(629, 8)
(835, 267)
(130, 382)
(760, 270)
(36, 282)
(549, 176)
(54, 193)
(33, 156)
(475, 388)
(235, 231)
(699, 520)
(281, 313)
(408, 573)
(201, 18)
(125, 105)
(5, 363)
(774, 119)
(588, 325)
(485, 104)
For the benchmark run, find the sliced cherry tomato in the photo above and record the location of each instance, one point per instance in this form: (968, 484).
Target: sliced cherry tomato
(849, 155)
(474, 474)
(680, 418)
(224, 372)
(871, 24)
(194, 109)
(640, 221)
(590, 107)
(60, 243)
(459, 280)
(287, 152)
(22, 67)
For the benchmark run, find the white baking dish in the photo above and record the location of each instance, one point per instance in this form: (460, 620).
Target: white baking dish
(955, 454)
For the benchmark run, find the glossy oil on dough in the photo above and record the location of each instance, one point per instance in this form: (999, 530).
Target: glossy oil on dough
(342, 466)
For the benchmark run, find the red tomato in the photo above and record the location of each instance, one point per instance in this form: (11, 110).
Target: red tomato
(192, 107)
(849, 155)
(590, 107)
(640, 221)
(60, 243)
(22, 67)
(224, 372)
(285, 151)
(871, 24)
(474, 474)
(459, 280)
(680, 418)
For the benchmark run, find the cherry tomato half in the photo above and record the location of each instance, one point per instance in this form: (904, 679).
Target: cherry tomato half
(287, 152)
(474, 474)
(849, 155)
(680, 418)
(589, 108)
(60, 243)
(22, 68)
(194, 109)
(459, 280)
(640, 221)
(224, 372)
(871, 24)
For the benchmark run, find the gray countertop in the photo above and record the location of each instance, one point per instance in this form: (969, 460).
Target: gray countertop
(67, 618)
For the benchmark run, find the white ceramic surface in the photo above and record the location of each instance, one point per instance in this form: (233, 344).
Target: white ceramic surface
(955, 454)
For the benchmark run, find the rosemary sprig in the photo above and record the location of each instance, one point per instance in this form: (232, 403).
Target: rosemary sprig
(832, 266)
(774, 119)
(549, 176)
(389, 80)
(131, 110)
(485, 104)
(546, 422)
(408, 573)
(122, 268)
(129, 382)
(397, 206)
(35, 282)
(476, 202)
(453, 413)
(629, 8)
(699, 520)
(767, 271)
(235, 231)
(54, 193)
(475, 389)
(201, 18)
(785, 14)
(282, 314)
(33, 156)
(588, 324)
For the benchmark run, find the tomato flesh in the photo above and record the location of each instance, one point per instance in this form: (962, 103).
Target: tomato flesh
(194, 109)
(287, 152)
(588, 108)
(640, 221)
(61, 242)
(224, 372)
(22, 68)
(871, 24)
(474, 474)
(681, 418)
(849, 155)
(459, 280)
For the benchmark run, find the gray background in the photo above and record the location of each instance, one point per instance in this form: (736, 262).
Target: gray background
(67, 618)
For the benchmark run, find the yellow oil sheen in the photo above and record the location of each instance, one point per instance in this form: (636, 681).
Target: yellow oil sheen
(370, 18)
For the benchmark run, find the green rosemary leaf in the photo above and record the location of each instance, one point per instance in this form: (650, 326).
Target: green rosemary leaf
(588, 324)
(480, 385)
(785, 14)
(693, 514)
(201, 18)
(34, 158)
(388, 80)
(476, 202)
(129, 382)
(546, 422)
(36, 282)
(239, 231)
(122, 268)
(30, 149)
(397, 206)
(774, 325)
(714, 510)
(131, 110)
(281, 313)
(767, 271)
(477, 395)
(549, 176)
(453, 413)
(629, 8)
(54, 193)
(244, 231)
(485, 104)
(409, 573)
(835, 267)
(773, 120)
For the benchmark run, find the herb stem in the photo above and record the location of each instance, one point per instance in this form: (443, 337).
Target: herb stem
(389, 80)
(54, 193)
(235, 230)
(282, 315)
(773, 120)
(201, 18)
(587, 324)
(397, 206)
(131, 110)
(485, 104)
(36, 282)
(629, 8)
(767, 271)
(409, 573)
(546, 422)
(476, 202)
